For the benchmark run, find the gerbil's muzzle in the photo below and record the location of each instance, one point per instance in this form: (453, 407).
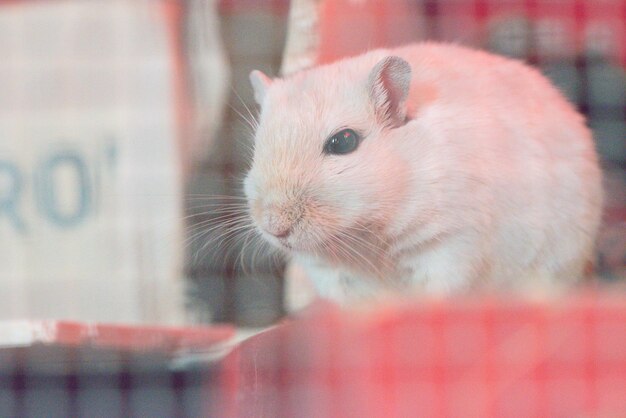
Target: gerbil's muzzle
(278, 220)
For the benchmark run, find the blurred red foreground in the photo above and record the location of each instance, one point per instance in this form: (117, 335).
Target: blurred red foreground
(494, 358)
(462, 358)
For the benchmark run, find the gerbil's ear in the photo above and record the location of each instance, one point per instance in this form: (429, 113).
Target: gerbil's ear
(389, 83)
(260, 83)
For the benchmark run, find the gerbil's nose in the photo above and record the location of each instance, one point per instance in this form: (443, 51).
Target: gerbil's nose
(277, 225)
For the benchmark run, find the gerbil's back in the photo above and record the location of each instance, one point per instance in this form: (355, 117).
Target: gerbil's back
(503, 131)
(476, 79)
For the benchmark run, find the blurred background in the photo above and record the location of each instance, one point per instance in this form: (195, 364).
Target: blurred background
(124, 135)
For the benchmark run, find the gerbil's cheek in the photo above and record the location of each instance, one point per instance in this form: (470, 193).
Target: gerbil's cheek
(256, 208)
(248, 187)
(250, 191)
(347, 200)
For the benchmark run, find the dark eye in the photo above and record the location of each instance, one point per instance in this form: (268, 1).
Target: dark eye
(343, 142)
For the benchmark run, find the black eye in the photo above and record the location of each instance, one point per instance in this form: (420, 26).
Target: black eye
(343, 142)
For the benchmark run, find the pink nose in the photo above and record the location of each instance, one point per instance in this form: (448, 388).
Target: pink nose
(277, 225)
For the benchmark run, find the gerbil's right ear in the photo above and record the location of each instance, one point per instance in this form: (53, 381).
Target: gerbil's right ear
(389, 83)
(260, 83)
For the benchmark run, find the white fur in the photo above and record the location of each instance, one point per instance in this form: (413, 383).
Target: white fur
(492, 183)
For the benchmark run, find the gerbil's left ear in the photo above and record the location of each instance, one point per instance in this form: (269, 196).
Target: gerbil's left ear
(260, 83)
(389, 83)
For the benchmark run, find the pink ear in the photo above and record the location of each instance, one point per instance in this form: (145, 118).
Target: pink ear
(389, 83)
(260, 83)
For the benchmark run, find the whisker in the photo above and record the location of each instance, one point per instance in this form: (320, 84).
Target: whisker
(243, 103)
(206, 231)
(219, 220)
(223, 238)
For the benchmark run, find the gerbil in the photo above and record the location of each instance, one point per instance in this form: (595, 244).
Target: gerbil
(431, 168)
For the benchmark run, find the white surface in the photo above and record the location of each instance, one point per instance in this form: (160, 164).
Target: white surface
(88, 163)
(22, 333)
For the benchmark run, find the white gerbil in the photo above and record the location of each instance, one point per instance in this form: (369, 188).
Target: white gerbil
(430, 168)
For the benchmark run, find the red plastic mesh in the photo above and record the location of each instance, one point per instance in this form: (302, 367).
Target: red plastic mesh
(469, 358)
